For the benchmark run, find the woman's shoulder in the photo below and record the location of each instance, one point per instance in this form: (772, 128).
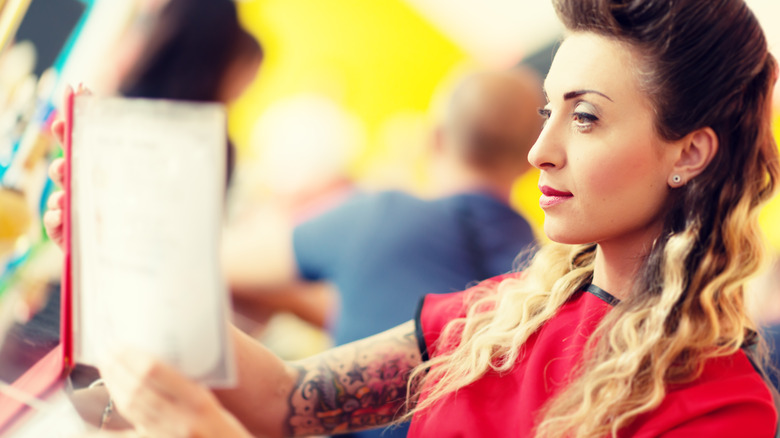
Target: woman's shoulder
(729, 398)
(435, 311)
(447, 306)
(731, 379)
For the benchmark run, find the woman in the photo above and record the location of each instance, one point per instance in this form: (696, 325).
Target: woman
(654, 159)
(193, 50)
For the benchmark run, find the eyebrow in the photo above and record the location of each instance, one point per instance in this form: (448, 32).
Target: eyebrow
(573, 94)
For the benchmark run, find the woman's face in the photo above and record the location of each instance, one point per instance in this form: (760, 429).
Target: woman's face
(604, 169)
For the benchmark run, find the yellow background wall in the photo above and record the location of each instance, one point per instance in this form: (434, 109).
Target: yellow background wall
(375, 58)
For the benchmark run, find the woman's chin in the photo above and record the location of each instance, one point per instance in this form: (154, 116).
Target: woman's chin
(560, 235)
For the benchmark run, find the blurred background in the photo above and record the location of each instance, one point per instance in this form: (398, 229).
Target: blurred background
(346, 93)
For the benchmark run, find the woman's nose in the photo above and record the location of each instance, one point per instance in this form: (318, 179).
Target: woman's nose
(547, 153)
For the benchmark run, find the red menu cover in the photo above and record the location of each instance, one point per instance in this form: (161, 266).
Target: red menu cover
(66, 315)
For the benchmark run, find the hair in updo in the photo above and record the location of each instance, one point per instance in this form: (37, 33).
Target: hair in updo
(704, 64)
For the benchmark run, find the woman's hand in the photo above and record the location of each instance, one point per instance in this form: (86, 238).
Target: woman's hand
(52, 219)
(160, 402)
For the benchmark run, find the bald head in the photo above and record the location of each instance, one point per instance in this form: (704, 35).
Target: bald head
(491, 120)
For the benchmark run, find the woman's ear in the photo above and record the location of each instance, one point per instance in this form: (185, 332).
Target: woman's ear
(697, 150)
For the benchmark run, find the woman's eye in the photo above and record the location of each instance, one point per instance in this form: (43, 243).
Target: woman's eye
(545, 114)
(583, 118)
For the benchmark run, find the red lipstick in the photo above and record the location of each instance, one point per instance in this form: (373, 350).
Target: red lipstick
(551, 196)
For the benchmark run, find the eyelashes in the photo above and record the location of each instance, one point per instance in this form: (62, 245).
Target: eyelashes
(583, 120)
(545, 114)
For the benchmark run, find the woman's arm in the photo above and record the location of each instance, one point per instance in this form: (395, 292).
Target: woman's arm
(356, 386)
(352, 387)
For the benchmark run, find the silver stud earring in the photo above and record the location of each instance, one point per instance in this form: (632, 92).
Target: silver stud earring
(677, 179)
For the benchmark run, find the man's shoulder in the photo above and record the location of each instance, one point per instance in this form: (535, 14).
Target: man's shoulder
(478, 203)
(372, 207)
(391, 200)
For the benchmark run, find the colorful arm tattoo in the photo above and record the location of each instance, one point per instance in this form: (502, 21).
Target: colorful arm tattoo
(356, 386)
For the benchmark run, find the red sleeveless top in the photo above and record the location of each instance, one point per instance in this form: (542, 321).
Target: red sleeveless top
(729, 399)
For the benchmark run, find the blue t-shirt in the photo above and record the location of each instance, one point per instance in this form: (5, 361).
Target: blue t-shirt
(384, 251)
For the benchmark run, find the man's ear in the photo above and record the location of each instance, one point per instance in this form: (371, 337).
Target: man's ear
(438, 140)
(697, 150)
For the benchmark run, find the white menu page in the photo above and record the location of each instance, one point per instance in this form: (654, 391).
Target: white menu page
(147, 194)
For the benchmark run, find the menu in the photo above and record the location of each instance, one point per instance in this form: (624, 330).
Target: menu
(146, 187)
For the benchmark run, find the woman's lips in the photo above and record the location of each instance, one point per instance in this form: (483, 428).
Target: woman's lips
(551, 196)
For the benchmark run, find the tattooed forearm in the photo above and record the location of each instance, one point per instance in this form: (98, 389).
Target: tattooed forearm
(356, 386)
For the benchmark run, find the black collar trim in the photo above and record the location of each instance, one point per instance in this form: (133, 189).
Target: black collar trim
(602, 295)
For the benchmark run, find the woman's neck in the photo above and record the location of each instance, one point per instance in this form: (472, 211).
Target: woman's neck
(617, 264)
